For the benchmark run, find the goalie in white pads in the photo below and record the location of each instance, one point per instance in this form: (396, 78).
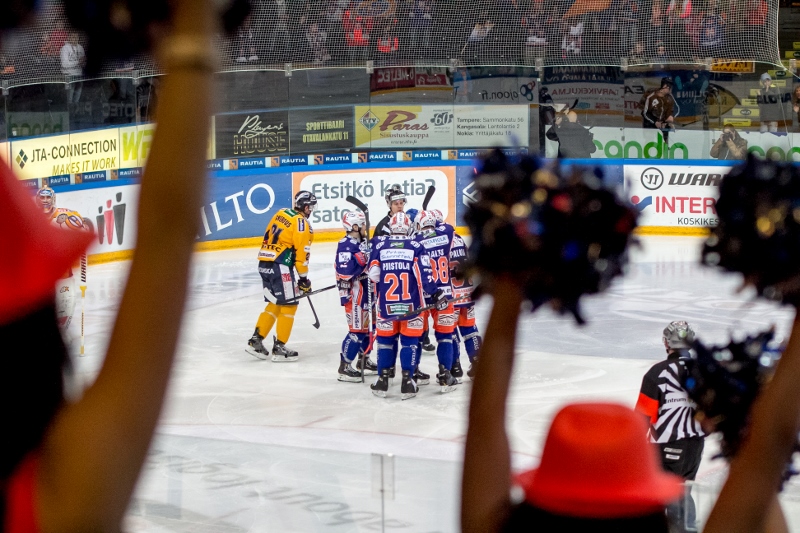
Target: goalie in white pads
(67, 219)
(351, 279)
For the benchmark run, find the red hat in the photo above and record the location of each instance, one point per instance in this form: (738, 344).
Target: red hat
(35, 252)
(597, 463)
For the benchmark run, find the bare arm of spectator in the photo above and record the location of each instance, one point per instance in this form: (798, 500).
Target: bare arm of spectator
(748, 498)
(716, 148)
(737, 149)
(485, 503)
(92, 454)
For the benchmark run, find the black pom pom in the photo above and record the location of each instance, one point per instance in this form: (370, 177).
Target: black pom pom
(562, 236)
(759, 228)
(724, 381)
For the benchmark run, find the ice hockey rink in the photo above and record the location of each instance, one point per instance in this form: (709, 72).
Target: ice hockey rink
(249, 445)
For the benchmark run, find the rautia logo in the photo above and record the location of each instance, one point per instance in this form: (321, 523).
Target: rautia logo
(368, 120)
(112, 219)
(652, 178)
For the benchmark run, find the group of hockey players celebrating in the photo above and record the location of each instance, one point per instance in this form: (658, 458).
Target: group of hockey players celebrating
(390, 285)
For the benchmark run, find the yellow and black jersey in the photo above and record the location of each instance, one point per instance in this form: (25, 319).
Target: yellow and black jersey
(287, 240)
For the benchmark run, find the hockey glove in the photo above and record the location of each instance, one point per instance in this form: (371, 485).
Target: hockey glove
(304, 285)
(361, 259)
(439, 301)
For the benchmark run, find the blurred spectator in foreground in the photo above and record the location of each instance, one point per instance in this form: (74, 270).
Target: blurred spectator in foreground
(770, 107)
(73, 59)
(730, 145)
(71, 464)
(574, 139)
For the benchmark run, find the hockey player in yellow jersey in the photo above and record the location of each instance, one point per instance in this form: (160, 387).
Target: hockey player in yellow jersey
(285, 250)
(65, 287)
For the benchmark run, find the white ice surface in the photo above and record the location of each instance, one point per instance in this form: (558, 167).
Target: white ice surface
(250, 445)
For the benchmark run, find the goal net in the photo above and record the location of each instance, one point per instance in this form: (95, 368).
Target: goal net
(350, 33)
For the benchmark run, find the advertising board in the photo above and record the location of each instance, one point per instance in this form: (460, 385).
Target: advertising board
(252, 134)
(320, 130)
(55, 155)
(333, 186)
(113, 212)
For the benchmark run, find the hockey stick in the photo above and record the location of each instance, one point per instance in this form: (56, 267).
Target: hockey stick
(316, 318)
(428, 196)
(364, 209)
(306, 295)
(83, 302)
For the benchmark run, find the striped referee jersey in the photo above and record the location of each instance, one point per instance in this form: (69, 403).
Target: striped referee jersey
(664, 401)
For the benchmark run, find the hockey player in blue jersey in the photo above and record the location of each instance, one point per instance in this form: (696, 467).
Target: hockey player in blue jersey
(464, 310)
(401, 270)
(437, 240)
(425, 341)
(351, 265)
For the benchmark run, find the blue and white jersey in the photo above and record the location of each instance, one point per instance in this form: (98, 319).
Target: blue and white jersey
(402, 272)
(437, 242)
(351, 262)
(462, 288)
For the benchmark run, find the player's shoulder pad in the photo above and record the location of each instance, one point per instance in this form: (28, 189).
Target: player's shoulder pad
(344, 239)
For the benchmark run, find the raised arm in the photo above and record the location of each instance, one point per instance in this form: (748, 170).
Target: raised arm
(485, 503)
(92, 455)
(748, 501)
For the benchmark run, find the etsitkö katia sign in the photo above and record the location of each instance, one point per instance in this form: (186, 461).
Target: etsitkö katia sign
(675, 196)
(332, 187)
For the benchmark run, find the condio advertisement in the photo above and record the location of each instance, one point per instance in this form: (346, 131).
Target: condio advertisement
(56, 155)
(112, 211)
(332, 187)
(675, 196)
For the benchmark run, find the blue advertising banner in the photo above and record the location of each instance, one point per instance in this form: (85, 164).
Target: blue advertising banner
(56, 181)
(241, 203)
(89, 177)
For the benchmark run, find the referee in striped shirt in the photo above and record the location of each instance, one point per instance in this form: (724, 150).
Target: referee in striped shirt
(670, 413)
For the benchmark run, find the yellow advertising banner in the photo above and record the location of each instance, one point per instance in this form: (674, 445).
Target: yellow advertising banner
(135, 143)
(4, 147)
(728, 65)
(56, 155)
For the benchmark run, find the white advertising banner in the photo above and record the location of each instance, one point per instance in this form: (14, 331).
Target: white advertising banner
(112, 211)
(441, 126)
(332, 187)
(675, 195)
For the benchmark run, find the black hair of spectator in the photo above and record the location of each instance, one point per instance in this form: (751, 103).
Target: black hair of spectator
(525, 515)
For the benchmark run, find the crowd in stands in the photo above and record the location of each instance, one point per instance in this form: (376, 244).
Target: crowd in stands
(336, 32)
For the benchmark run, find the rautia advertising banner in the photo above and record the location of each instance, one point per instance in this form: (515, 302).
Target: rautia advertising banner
(675, 195)
(370, 186)
(252, 134)
(444, 126)
(321, 130)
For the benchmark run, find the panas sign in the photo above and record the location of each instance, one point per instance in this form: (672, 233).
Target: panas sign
(675, 196)
(331, 188)
(443, 126)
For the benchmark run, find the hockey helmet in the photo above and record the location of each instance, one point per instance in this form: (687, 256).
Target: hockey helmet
(412, 214)
(437, 213)
(305, 199)
(678, 335)
(667, 81)
(400, 224)
(354, 218)
(426, 219)
(393, 194)
(46, 199)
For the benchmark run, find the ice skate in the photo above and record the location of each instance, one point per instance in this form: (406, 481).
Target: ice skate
(370, 368)
(471, 370)
(347, 373)
(446, 380)
(421, 377)
(381, 384)
(255, 346)
(408, 388)
(280, 353)
(457, 372)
